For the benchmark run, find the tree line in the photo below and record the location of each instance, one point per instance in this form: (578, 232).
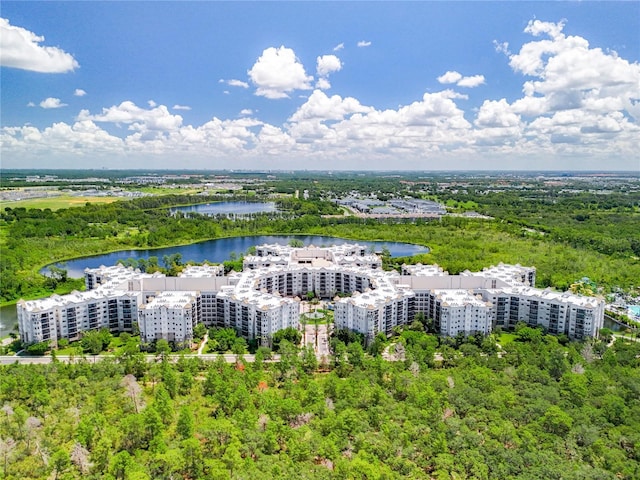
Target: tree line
(532, 408)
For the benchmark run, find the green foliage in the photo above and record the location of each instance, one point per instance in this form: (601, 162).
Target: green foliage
(292, 335)
(565, 236)
(486, 416)
(536, 408)
(199, 331)
(223, 339)
(95, 341)
(346, 336)
(186, 424)
(38, 348)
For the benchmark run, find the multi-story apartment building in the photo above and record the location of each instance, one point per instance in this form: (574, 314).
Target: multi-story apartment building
(511, 274)
(171, 315)
(264, 298)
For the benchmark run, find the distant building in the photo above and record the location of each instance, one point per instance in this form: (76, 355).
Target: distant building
(264, 298)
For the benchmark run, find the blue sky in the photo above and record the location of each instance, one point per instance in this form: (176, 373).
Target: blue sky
(321, 85)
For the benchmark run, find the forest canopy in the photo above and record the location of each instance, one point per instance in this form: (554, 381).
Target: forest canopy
(539, 410)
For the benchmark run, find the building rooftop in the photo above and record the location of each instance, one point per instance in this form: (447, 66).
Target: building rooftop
(172, 300)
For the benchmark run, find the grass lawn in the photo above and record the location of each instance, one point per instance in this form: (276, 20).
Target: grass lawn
(506, 338)
(56, 203)
(74, 349)
(320, 321)
(117, 344)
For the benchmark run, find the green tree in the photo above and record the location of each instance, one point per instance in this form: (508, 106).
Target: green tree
(153, 425)
(186, 424)
(38, 348)
(199, 331)
(170, 379)
(224, 338)
(163, 349)
(290, 334)
(355, 354)
(91, 342)
(309, 360)
(120, 464)
(556, 420)
(60, 462)
(193, 458)
(239, 346)
(163, 404)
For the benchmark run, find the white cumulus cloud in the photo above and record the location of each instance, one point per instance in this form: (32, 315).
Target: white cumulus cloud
(237, 83)
(338, 47)
(139, 119)
(20, 48)
(502, 47)
(278, 72)
(496, 114)
(471, 82)
(327, 64)
(578, 103)
(568, 76)
(321, 107)
(457, 78)
(52, 103)
(450, 77)
(322, 84)
(79, 92)
(181, 107)
(364, 43)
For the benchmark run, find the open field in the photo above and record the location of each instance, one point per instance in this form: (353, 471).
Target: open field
(56, 203)
(169, 191)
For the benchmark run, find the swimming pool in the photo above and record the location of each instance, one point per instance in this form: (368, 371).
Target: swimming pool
(634, 310)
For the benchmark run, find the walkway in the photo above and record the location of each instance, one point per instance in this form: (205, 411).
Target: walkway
(204, 342)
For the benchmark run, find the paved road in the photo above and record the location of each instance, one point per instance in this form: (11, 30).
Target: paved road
(228, 357)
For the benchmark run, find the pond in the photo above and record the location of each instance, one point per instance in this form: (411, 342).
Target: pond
(228, 208)
(219, 250)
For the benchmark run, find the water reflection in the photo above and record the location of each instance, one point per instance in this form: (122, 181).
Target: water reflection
(221, 249)
(234, 209)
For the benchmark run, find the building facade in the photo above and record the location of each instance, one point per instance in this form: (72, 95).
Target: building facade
(265, 298)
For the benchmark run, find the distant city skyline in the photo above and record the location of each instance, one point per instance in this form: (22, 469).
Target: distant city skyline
(320, 85)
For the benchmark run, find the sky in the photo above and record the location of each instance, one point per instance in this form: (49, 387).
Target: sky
(320, 85)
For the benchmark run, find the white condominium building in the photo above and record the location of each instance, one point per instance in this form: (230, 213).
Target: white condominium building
(202, 271)
(95, 278)
(420, 270)
(265, 297)
(69, 315)
(577, 316)
(380, 307)
(511, 274)
(343, 255)
(460, 311)
(171, 315)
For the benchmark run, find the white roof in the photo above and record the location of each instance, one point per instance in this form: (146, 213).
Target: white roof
(172, 299)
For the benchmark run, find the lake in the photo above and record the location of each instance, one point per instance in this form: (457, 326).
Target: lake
(8, 318)
(219, 250)
(229, 208)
